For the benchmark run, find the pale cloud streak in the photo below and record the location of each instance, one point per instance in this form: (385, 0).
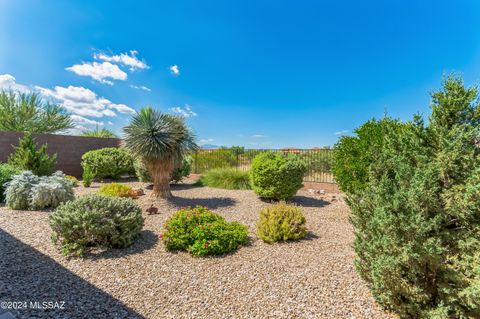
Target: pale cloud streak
(174, 69)
(183, 111)
(100, 72)
(128, 59)
(343, 132)
(141, 87)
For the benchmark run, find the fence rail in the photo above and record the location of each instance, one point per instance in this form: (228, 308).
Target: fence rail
(318, 161)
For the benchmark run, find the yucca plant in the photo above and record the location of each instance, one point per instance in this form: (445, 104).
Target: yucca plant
(160, 140)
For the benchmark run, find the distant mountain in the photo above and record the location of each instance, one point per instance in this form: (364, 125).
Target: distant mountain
(209, 146)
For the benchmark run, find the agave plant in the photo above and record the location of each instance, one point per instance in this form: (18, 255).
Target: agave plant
(160, 140)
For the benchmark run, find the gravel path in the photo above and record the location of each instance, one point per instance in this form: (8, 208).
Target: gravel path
(311, 278)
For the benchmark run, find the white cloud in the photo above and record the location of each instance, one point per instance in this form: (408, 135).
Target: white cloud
(84, 102)
(343, 132)
(185, 111)
(258, 136)
(8, 82)
(206, 140)
(110, 123)
(127, 59)
(142, 87)
(99, 71)
(175, 70)
(83, 120)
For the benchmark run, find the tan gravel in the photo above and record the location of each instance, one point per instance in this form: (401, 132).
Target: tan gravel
(311, 278)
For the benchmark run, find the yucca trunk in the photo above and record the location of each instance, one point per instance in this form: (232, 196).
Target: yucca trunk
(161, 172)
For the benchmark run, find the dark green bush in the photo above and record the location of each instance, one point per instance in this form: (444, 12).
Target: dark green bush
(281, 222)
(201, 232)
(277, 176)
(417, 216)
(353, 155)
(27, 157)
(6, 173)
(110, 162)
(228, 178)
(96, 221)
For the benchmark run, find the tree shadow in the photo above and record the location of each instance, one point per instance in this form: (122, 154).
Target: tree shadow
(28, 275)
(306, 201)
(184, 186)
(147, 240)
(212, 203)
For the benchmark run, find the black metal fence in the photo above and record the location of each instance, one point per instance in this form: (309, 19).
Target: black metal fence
(318, 161)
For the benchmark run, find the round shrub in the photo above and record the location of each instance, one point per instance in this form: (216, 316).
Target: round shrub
(108, 162)
(201, 232)
(28, 191)
(281, 222)
(277, 176)
(228, 178)
(96, 221)
(117, 190)
(6, 173)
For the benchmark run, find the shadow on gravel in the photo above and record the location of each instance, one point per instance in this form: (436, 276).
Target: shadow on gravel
(212, 203)
(147, 240)
(306, 201)
(28, 275)
(182, 186)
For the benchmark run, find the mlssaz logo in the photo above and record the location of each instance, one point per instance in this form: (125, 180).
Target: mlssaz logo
(47, 304)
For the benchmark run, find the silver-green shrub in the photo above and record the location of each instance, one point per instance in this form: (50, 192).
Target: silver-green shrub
(28, 191)
(96, 221)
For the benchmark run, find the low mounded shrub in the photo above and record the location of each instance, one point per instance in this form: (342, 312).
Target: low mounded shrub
(110, 162)
(277, 176)
(72, 179)
(201, 232)
(117, 190)
(281, 222)
(228, 178)
(181, 170)
(6, 173)
(28, 191)
(96, 221)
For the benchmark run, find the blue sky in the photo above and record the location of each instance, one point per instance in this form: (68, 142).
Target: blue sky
(253, 73)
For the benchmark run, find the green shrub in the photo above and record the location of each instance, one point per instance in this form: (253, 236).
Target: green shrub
(27, 157)
(201, 232)
(28, 191)
(277, 176)
(417, 218)
(117, 190)
(182, 169)
(281, 222)
(96, 221)
(87, 178)
(228, 178)
(6, 173)
(72, 179)
(110, 162)
(353, 155)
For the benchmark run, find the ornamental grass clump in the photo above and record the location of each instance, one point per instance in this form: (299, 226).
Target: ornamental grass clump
(417, 211)
(96, 221)
(281, 222)
(117, 190)
(227, 178)
(202, 233)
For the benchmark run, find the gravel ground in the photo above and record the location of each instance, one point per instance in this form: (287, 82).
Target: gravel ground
(311, 278)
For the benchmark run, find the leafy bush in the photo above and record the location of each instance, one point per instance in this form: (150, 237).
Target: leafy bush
(72, 179)
(27, 157)
(228, 178)
(28, 191)
(87, 178)
(276, 176)
(353, 155)
(201, 232)
(96, 221)
(108, 162)
(51, 191)
(281, 222)
(6, 173)
(417, 217)
(181, 170)
(117, 190)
